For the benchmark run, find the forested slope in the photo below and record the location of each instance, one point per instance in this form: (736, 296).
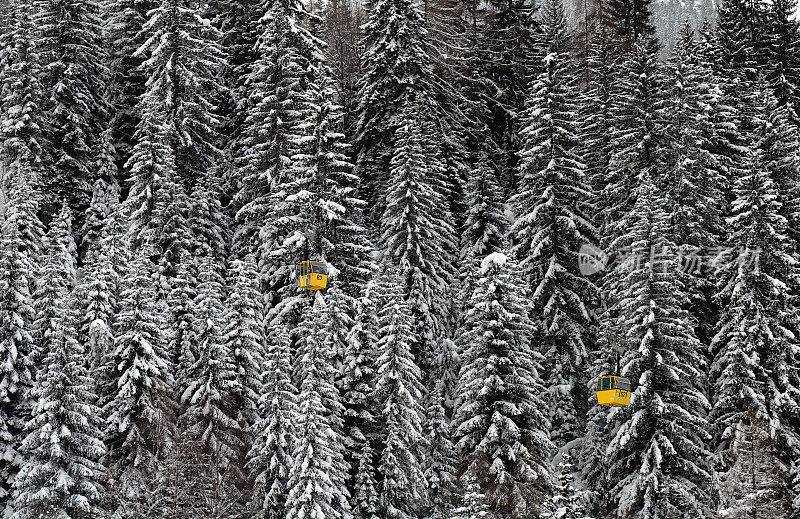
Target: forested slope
(509, 207)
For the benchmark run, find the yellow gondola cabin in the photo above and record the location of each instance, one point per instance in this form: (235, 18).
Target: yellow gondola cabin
(312, 275)
(613, 391)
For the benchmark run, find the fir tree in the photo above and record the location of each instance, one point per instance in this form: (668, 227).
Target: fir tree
(474, 504)
(182, 342)
(20, 98)
(359, 419)
(553, 222)
(271, 457)
(63, 445)
(274, 120)
(397, 67)
(123, 22)
(783, 67)
(754, 344)
(140, 414)
(182, 61)
(568, 501)
(210, 419)
(398, 393)
(636, 125)
(693, 175)
(755, 485)
(57, 280)
(74, 77)
(20, 246)
(243, 335)
(316, 479)
(415, 232)
(501, 433)
(509, 62)
(484, 227)
(656, 456)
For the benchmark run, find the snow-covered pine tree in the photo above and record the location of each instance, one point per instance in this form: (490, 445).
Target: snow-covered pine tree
(141, 412)
(778, 138)
(630, 22)
(74, 78)
(181, 342)
(122, 28)
(552, 209)
(150, 168)
(243, 335)
(568, 502)
(398, 394)
(96, 295)
(737, 32)
(755, 485)
(340, 235)
(182, 61)
(239, 24)
(303, 205)
(273, 124)
(440, 455)
(599, 77)
(207, 220)
(20, 247)
(782, 45)
(416, 231)
(63, 443)
(316, 485)
(105, 196)
(508, 62)
(397, 66)
(484, 227)
(501, 431)
(57, 278)
(271, 457)
(20, 98)
(692, 178)
(473, 501)
(755, 343)
(359, 420)
(210, 420)
(656, 459)
(635, 136)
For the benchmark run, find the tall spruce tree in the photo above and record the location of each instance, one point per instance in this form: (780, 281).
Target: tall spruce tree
(74, 78)
(398, 393)
(693, 175)
(20, 246)
(316, 479)
(210, 421)
(244, 336)
(552, 223)
(656, 459)
(24, 145)
(501, 432)
(182, 61)
(63, 445)
(397, 67)
(141, 412)
(272, 457)
(57, 280)
(273, 121)
(122, 22)
(360, 409)
(416, 230)
(754, 344)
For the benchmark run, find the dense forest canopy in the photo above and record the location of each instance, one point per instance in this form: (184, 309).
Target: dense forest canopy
(512, 199)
